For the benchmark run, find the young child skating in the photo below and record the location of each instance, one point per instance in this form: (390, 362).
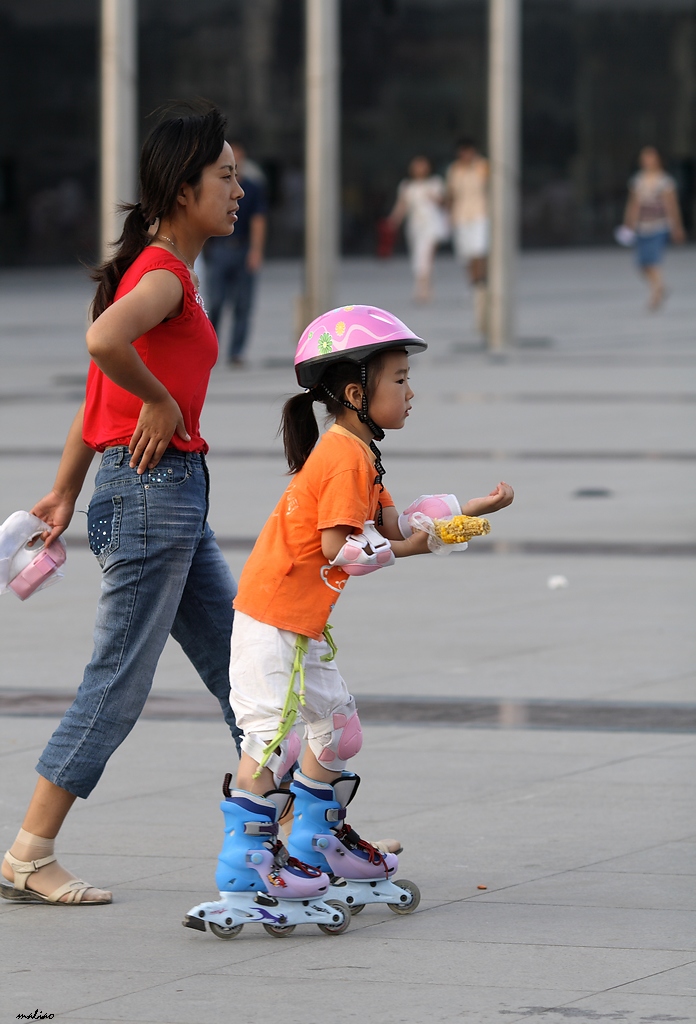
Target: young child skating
(335, 520)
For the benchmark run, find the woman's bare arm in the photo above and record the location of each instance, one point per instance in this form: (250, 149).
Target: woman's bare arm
(674, 216)
(58, 506)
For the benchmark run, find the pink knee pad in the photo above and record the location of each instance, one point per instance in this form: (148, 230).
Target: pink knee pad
(346, 740)
(289, 752)
(280, 763)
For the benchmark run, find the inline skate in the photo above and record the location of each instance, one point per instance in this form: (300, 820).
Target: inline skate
(259, 882)
(360, 874)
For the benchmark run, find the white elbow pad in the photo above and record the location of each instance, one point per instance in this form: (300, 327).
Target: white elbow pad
(436, 506)
(364, 552)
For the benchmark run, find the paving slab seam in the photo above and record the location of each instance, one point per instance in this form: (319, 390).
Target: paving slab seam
(616, 988)
(612, 762)
(634, 851)
(544, 877)
(550, 945)
(481, 897)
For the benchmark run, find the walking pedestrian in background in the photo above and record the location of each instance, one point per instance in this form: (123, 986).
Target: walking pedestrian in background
(467, 198)
(653, 213)
(232, 263)
(419, 204)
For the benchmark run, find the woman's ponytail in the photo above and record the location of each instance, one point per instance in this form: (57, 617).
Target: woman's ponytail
(134, 238)
(299, 429)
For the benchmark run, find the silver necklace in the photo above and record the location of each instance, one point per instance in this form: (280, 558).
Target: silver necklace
(176, 250)
(199, 298)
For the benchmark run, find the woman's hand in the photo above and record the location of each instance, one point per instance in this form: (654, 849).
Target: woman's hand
(159, 420)
(56, 510)
(156, 298)
(499, 498)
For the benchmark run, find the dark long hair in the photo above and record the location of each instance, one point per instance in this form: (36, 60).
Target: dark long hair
(298, 423)
(175, 152)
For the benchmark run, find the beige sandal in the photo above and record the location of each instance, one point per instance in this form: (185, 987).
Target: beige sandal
(22, 869)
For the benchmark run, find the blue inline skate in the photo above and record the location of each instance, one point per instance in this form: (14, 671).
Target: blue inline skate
(360, 874)
(259, 882)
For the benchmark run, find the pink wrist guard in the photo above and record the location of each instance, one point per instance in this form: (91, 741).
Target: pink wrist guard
(435, 506)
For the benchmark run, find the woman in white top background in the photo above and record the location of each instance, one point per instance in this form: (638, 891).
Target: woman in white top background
(653, 213)
(420, 206)
(467, 198)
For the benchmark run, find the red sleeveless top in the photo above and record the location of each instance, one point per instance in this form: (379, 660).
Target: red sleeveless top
(180, 352)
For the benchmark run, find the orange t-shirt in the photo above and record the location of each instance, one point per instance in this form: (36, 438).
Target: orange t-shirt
(287, 581)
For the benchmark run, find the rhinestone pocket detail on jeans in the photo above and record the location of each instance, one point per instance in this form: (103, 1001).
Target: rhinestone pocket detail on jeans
(160, 476)
(103, 532)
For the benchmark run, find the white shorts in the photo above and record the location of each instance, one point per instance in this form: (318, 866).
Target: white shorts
(421, 249)
(260, 667)
(471, 239)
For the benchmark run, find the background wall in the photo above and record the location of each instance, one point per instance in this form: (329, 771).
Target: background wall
(600, 79)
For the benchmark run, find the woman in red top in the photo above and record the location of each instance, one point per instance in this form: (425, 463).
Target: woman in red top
(152, 349)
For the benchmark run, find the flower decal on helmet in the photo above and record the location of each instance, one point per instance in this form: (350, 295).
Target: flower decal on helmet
(325, 343)
(340, 328)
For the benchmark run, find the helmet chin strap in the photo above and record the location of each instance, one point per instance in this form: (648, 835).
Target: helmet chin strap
(377, 432)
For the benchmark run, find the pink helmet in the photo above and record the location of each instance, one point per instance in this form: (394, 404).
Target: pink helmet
(349, 332)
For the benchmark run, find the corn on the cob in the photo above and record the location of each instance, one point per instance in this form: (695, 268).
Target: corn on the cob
(460, 528)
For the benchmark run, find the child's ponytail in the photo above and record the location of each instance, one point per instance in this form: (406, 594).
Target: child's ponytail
(298, 424)
(299, 429)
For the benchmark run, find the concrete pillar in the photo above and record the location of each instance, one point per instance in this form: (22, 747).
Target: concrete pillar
(322, 163)
(118, 115)
(503, 146)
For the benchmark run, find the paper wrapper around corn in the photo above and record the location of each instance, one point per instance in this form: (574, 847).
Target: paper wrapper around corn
(451, 534)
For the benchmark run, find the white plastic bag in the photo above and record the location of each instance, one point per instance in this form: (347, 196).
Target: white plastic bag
(419, 521)
(625, 236)
(24, 569)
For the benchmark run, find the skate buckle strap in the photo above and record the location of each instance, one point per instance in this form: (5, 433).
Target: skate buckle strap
(282, 859)
(260, 828)
(335, 814)
(293, 699)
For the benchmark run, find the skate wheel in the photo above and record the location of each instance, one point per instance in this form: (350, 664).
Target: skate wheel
(406, 907)
(337, 927)
(357, 908)
(280, 930)
(225, 933)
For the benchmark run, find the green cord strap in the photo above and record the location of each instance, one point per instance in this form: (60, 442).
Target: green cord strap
(293, 700)
(331, 642)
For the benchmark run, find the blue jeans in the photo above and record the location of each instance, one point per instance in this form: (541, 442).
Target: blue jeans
(650, 249)
(162, 573)
(228, 278)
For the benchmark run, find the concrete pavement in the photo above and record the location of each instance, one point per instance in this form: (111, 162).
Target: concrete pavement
(583, 836)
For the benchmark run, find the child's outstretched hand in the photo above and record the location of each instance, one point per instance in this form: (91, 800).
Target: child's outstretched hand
(499, 498)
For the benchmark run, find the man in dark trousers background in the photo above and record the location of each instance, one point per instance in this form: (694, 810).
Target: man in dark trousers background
(232, 262)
